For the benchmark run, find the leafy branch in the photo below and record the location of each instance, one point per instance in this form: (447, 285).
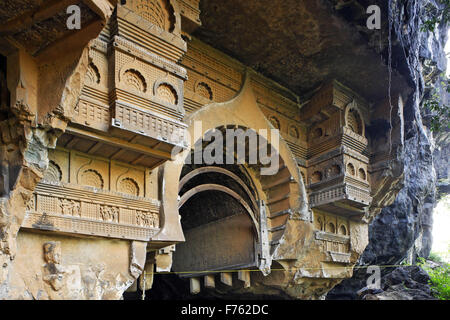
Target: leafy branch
(440, 112)
(437, 16)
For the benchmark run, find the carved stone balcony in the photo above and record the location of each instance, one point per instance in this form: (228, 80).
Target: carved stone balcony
(69, 208)
(130, 120)
(336, 246)
(343, 197)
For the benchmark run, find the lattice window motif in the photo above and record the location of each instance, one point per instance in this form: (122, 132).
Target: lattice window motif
(128, 186)
(152, 10)
(167, 93)
(157, 12)
(92, 74)
(135, 80)
(53, 172)
(204, 90)
(354, 121)
(91, 178)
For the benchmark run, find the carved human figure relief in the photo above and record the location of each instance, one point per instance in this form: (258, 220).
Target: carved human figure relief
(53, 270)
(110, 214)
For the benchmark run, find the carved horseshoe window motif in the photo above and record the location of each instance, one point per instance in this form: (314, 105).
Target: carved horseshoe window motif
(204, 90)
(135, 80)
(350, 169)
(316, 177)
(331, 228)
(158, 12)
(362, 174)
(53, 172)
(128, 186)
(92, 74)
(275, 122)
(167, 93)
(92, 178)
(353, 119)
(293, 132)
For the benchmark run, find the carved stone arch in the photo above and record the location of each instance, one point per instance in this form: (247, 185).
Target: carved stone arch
(243, 111)
(316, 176)
(92, 74)
(135, 80)
(139, 80)
(342, 230)
(275, 122)
(350, 168)
(90, 177)
(128, 185)
(206, 187)
(171, 93)
(330, 227)
(203, 88)
(293, 132)
(53, 172)
(167, 93)
(319, 223)
(335, 170)
(209, 169)
(161, 13)
(316, 133)
(362, 174)
(354, 119)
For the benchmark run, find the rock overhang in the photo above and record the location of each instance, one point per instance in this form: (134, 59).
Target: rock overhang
(301, 44)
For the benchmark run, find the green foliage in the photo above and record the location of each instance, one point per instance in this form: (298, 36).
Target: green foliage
(439, 279)
(440, 112)
(436, 16)
(404, 263)
(421, 262)
(435, 257)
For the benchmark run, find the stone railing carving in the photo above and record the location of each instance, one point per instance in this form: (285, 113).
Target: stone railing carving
(68, 208)
(337, 246)
(148, 123)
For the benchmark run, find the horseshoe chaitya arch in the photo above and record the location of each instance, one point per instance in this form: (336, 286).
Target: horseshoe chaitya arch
(210, 169)
(217, 187)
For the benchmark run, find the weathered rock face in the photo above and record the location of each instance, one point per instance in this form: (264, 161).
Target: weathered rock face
(72, 268)
(441, 156)
(402, 231)
(403, 283)
(115, 110)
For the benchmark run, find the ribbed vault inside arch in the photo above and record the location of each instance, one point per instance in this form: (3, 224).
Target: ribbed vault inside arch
(229, 190)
